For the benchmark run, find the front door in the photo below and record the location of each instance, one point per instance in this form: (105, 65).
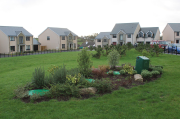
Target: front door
(114, 43)
(121, 43)
(21, 48)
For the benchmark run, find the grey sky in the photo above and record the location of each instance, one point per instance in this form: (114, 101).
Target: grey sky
(85, 17)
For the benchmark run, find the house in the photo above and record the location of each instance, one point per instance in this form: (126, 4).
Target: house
(58, 38)
(36, 45)
(88, 44)
(102, 39)
(147, 34)
(172, 32)
(123, 33)
(15, 39)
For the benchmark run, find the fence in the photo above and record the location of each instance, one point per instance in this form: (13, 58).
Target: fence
(3, 55)
(171, 50)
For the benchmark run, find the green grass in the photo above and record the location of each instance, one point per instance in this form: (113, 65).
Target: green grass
(80, 43)
(159, 99)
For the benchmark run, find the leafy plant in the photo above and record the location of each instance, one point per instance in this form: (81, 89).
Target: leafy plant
(52, 69)
(159, 69)
(155, 73)
(21, 92)
(84, 62)
(134, 72)
(110, 73)
(73, 79)
(145, 53)
(99, 72)
(113, 58)
(122, 72)
(157, 49)
(38, 78)
(146, 74)
(99, 51)
(128, 69)
(60, 75)
(91, 48)
(102, 86)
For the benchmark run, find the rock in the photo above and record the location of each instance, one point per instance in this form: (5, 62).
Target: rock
(90, 90)
(138, 77)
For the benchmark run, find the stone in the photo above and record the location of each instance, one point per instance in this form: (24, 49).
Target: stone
(138, 77)
(90, 90)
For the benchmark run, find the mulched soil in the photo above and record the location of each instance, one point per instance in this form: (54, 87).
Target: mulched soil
(117, 81)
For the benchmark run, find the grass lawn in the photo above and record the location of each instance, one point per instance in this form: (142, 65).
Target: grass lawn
(80, 43)
(159, 99)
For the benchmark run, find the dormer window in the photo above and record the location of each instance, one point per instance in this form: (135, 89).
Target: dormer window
(70, 37)
(98, 40)
(105, 40)
(149, 34)
(114, 35)
(141, 34)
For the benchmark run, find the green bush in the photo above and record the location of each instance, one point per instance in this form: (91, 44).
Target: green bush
(60, 75)
(113, 58)
(91, 48)
(99, 51)
(102, 86)
(38, 78)
(151, 52)
(145, 53)
(146, 74)
(134, 72)
(128, 69)
(84, 62)
(159, 69)
(122, 72)
(155, 73)
(21, 92)
(157, 49)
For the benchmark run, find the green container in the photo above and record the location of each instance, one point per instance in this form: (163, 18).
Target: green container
(90, 80)
(116, 73)
(142, 62)
(80, 47)
(41, 92)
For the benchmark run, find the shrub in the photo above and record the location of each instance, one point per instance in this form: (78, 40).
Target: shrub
(145, 53)
(64, 90)
(122, 72)
(60, 75)
(99, 51)
(84, 62)
(52, 69)
(110, 73)
(38, 78)
(151, 52)
(35, 96)
(159, 69)
(155, 73)
(91, 48)
(146, 74)
(157, 49)
(113, 58)
(128, 69)
(100, 72)
(134, 72)
(21, 92)
(102, 86)
(73, 79)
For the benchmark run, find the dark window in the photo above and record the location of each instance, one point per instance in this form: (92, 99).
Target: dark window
(98, 40)
(12, 39)
(27, 38)
(177, 41)
(105, 40)
(74, 37)
(114, 36)
(129, 35)
(177, 34)
(70, 37)
(63, 45)
(147, 42)
(48, 37)
(149, 34)
(63, 37)
(27, 47)
(141, 34)
(12, 48)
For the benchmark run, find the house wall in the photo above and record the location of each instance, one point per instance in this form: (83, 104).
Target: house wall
(29, 43)
(148, 39)
(63, 42)
(118, 37)
(129, 39)
(53, 43)
(114, 40)
(134, 40)
(105, 43)
(140, 39)
(168, 33)
(157, 37)
(98, 43)
(13, 43)
(4, 43)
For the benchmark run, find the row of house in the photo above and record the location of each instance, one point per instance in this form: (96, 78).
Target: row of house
(18, 39)
(123, 33)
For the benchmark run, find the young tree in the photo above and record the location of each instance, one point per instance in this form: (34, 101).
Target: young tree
(113, 58)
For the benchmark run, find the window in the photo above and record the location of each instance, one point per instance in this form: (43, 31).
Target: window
(149, 34)
(27, 47)
(12, 48)
(70, 37)
(114, 36)
(74, 37)
(121, 36)
(105, 40)
(98, 40)
(20, 39)
(141, 34)
(63, 37)
(177, 34)
(12, 38)
(27, 38)
(63, 45)
(129, 35)
(147, 42)
(48, 37)
(177, 41)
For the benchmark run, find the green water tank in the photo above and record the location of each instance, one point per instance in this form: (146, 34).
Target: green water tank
(142, 62)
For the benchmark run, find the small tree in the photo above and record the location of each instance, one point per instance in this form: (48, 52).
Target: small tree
(84, 62)
(91, 48)
(113, 58)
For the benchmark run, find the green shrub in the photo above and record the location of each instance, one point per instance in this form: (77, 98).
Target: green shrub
(73, 79)
(155, 73)
(84, 62)
(110, 73)
(99, 51)
(122, 72)
(113, 58)
(128, 69)
(64, 90)
(151, 52)
(134, 72)
(145, 53)
(159, 69)
(146, 74)
(38, 78)
(102, 86)
(21, 92)
(35, 96)
(91, 48)
(52, 69)
(157, 49)
(60, 75)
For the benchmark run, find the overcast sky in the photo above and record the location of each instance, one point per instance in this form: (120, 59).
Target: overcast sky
(85, 17)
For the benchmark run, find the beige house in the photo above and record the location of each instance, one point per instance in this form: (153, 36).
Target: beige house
(147, 34)
(15, 39)
(58, 38)
(123, 33)
(102, 39)
(172, 32)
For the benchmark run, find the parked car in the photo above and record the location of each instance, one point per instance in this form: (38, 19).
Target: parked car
(160, 43)
(172, 47)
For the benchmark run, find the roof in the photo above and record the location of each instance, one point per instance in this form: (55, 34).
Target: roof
(175, 26)
(152, 29)
(35, 42)
(14, 31)
(103, 34)
(128, 28)
(62, 31)
(85, 44)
